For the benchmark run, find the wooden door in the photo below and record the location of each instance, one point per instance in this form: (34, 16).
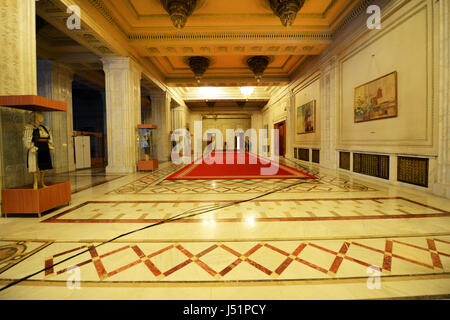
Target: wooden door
(281, 126)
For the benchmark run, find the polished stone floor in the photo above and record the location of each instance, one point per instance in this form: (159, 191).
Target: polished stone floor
(337, 237)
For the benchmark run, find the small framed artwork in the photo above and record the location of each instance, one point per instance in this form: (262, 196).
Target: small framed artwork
(306, 118)
(376, 99)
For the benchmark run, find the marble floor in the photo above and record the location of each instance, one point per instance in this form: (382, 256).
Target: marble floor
(142, 237)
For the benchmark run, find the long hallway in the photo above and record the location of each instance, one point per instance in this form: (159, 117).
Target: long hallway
(334, 237)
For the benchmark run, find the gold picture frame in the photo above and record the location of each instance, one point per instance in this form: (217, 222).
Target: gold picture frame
(306, 118)
(376, 99)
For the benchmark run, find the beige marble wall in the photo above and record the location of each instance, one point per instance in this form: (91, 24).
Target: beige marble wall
(123, 112)
(413, 41)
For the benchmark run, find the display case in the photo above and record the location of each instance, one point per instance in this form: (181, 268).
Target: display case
(34, 154)
(146, 147)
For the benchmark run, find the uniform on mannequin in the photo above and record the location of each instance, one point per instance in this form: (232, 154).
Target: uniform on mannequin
(39, 142)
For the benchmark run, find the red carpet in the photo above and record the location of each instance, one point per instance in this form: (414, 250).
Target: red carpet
(214, 171)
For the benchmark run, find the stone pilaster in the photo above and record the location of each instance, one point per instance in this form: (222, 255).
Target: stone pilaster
(328, 101)
(18, 47)
(442, 185)
(123, 112)
(290, 126)
(55, 82)
(161, 118)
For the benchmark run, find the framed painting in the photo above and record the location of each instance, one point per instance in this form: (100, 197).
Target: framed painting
(376, 99)
(306, 118)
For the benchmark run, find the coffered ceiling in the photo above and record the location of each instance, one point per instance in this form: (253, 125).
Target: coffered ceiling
(228, 32)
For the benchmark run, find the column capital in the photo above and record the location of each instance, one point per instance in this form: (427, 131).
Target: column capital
(156, 94)
(120, 63)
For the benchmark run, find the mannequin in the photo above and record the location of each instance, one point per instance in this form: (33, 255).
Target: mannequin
(39, 142)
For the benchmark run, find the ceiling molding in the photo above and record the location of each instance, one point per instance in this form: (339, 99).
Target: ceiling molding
(235, 36)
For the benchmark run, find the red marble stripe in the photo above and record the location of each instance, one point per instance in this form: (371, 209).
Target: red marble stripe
(153, 269)
(178, 267)
(338, 260)
(357, 261)
(230, 267)
(68, 251)
(322, 248)
(434, 256)
(205, 267)
(387, 259)
(367, 247)
(101, 271)
(184, 251)
(259, 267)
(309, 264)
(128, 266)
(114, 251)
(237, 254)
(49, 264)
(77, 265)
(410, 245)
(413, 261)
(293, 219)
(440, 240)
(160, 251)
(276, 249)
(253, 250)
(283, 266)
(207, 250)
(288, 260)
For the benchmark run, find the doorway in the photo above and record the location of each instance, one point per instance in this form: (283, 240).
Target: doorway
(281, 126)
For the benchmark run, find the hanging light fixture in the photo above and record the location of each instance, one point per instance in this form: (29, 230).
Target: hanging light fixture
(258, 65)
(179, 11)
(286, 10)
(198, 65)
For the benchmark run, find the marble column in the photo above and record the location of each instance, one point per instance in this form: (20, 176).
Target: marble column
(161, 117)
(178, 118)
(123, 112)
(442, 185)
(54, 81)
(17, 77)
(18, 47)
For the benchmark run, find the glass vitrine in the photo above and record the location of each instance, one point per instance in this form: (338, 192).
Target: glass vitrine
(146, 147)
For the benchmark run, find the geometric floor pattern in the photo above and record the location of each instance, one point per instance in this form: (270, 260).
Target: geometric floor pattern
(153, 184)
(263, 210)
(245, 260)
(338, 230)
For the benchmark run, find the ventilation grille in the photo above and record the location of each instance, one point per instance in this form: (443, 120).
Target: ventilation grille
(344, 160)
(303, 154)
(371, 164)
(315, 155)
(413, 170)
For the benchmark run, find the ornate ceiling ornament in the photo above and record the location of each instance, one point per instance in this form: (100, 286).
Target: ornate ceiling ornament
(286, 10)
(198, 65)
(179, 11)
(241, 104)
(210, 104)
(258, 65)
